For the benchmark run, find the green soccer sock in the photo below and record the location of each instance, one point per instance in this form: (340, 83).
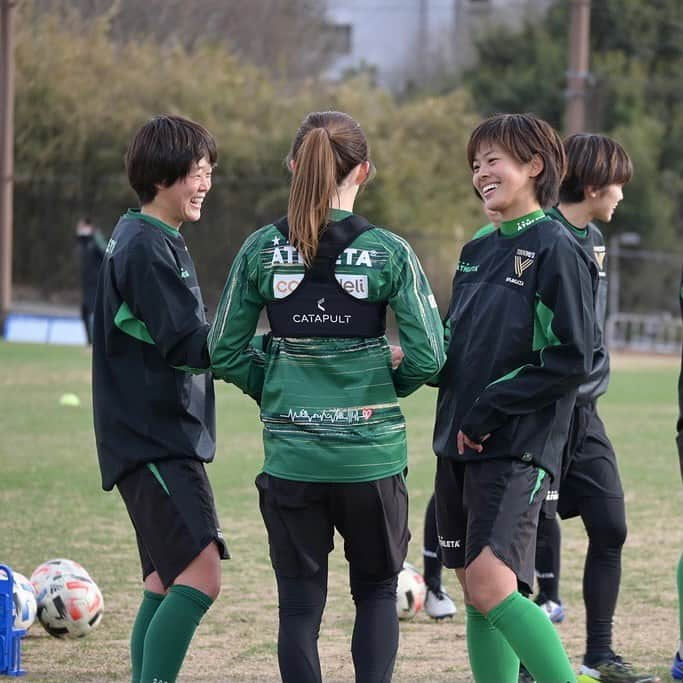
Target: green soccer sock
(170, 632)
(148, 607)
(492, 660)
(679, 583)
(534, 638)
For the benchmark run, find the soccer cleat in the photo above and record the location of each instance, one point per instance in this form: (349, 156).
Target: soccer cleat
(677, 668)
(554, 610)
(439, 605)
(613, 670)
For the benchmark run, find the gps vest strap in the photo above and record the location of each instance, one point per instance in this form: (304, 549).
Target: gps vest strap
(319, 306)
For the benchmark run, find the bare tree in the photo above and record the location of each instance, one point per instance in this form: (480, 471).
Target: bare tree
(292, 39)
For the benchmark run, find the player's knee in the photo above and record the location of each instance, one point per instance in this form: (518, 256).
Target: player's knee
(363, 589)
(606, 526)
(608, 535)
(483, 600)
(485, 595)
(213, 588)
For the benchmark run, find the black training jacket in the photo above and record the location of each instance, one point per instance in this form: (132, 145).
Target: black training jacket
(520, 324)
(593, 243)
(150, 331)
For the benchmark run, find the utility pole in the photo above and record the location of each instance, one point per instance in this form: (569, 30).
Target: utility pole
(422, 39)
(578, 74)
(7, 9)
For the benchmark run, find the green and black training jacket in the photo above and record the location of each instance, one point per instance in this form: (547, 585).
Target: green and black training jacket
(590, 239)
(150, 331)
(519, 331)
(329, 405)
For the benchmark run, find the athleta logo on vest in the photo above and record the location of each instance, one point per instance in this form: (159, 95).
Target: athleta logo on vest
(320, 305)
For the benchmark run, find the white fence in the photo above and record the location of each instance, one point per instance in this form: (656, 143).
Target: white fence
(661, 333)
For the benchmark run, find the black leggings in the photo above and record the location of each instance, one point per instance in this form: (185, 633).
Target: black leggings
(375, 633)
(605, 522)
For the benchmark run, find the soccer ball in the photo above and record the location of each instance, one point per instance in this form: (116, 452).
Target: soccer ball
(44, 573)
(70, 606)
(411, 592)
(24, 605)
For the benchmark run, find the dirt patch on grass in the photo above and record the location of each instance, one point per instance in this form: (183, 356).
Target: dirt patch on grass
(633, 360)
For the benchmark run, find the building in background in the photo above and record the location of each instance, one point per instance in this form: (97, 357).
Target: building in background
(404, 42)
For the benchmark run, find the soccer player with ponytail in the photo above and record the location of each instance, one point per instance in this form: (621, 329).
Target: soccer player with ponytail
(327, 383)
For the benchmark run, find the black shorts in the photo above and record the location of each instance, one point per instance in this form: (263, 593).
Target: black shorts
(171, 506)
(300, 517)
(493, 503)
(589, 463)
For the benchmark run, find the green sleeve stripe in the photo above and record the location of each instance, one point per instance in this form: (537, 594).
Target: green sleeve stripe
(509, 375)
(234, 278)
(543, 327)
(543, 338)
(435, 339)
(130, 325)
(537, 487)
(157, 475)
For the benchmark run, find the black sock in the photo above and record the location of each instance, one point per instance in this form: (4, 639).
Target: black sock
(431, 556)
(548, 546)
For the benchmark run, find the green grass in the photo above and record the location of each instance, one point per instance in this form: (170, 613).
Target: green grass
(52, 505)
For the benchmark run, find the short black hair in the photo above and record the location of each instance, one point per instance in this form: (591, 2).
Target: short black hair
(593, 160)
(523, 136)
(163, 151)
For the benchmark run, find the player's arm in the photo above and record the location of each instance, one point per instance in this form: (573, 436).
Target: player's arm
(600, 368)
(419, 325)
(435, 381)
(562, 345)
(160, 302)
(235, 357)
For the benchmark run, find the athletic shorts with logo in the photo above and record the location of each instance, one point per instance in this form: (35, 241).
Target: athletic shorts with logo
(171, 506)
(589, 465)
(493, 503)
(300, 517)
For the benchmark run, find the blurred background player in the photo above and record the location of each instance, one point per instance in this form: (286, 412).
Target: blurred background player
(155, 415)
(91, 246)
(597, 169)
(327, 384)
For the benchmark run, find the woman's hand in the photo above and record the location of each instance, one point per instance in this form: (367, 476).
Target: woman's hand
(396, 356)
(463, 440)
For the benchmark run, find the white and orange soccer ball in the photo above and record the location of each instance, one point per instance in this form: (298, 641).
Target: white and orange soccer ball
(45, 572)
(70, 605)
(411, 592)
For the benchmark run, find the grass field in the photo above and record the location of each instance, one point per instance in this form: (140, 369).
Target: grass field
(51, 505)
